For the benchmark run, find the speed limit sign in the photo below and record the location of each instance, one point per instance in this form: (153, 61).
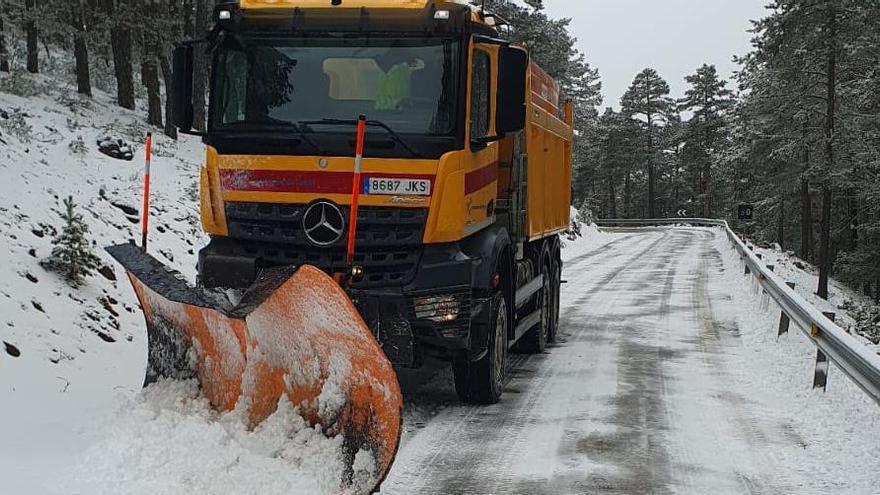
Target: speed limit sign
(746, 212)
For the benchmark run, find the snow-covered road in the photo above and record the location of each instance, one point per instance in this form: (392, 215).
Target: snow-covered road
(668, 378)
(643, 394)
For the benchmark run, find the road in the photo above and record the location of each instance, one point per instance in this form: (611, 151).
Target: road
(637, 397)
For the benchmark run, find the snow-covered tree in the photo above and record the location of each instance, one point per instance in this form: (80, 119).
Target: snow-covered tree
(709, 101)
(647, 99)
(72, 257)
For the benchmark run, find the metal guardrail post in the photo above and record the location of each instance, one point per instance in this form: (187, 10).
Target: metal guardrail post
(820, 377)
(784, 320)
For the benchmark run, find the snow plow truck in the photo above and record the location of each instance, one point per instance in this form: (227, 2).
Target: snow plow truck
(385, 181)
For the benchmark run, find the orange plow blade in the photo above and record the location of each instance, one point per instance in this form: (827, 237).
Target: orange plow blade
(295, 335)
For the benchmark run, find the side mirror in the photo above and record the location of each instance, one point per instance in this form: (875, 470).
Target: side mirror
(181, 91)
(513, 66)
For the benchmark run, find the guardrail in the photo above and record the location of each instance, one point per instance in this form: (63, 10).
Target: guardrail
(832, 342)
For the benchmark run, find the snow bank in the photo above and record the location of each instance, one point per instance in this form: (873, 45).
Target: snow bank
(842, 300)
(582, 237)
(839, 427)
(169, 440)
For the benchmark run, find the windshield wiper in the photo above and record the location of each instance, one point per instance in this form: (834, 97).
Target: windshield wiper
(280, 128)
(373, 123)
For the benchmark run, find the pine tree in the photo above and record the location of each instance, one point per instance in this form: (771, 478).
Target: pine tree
(4, 53)
(78, 19)
(648, 97)
(33, 65)
(709, 100)
(200, 66)
(72, 257)
(120, 44)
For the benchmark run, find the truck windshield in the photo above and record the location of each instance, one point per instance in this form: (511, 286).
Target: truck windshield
(408, 84)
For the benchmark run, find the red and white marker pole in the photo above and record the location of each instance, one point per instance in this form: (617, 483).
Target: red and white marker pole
(356, 187)
(145, 213)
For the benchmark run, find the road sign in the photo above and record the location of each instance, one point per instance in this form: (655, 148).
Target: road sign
(682, 213)
(746, 212)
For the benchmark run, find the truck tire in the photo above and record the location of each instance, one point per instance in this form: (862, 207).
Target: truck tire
(481, 382)
(535, 340)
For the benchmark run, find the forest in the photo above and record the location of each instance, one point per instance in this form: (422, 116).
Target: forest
(796, 133)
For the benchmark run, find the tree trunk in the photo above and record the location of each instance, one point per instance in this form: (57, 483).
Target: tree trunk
(150, 79)
(120, 43)
(200, 67)
(854, 224)
(188, 27)
(81, 50)
(33, 65)
(831, 86)
(806, 221)
(780, 225)
(707, 188)
(612, 198)
(170, 130)
(651, 206)
(627, 195)
(4, 54)
(676, 181)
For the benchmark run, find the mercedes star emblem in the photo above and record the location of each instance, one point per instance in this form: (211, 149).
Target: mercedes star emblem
(323, 223)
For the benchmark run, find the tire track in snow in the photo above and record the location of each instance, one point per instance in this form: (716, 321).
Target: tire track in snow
(460, 472)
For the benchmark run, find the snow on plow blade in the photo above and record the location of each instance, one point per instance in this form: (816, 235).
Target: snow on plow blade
(295, 334)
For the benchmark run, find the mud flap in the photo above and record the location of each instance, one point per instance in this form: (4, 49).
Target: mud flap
(295, 334)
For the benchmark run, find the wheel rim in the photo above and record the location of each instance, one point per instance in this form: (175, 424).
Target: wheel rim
(500, 346)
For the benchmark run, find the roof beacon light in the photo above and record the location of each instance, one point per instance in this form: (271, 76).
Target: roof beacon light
(225, 15)
(441, 15)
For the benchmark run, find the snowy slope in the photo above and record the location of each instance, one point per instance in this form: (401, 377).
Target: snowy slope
(806, 278)
(80, 350)
(74, 419)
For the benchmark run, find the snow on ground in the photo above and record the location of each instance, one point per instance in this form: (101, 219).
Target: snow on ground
(589, 239)
(806, 280)
(667, 379)
(840, 427)
(74, 419)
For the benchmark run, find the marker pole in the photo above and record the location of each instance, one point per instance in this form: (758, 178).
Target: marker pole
(145, 213)
(356, 187)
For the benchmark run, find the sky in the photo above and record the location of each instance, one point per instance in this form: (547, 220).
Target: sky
(622, 37)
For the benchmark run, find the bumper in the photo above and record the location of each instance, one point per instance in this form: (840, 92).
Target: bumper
(437, 313)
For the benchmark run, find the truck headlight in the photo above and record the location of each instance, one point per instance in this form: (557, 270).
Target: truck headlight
(439, 309)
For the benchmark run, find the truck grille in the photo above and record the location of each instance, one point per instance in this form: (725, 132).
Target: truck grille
(388, 240)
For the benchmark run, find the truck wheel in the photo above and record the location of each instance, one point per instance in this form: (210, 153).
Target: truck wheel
(481, 382)
(555, 291)
(535, 340)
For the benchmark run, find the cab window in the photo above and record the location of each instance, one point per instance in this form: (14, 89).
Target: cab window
(480, 94)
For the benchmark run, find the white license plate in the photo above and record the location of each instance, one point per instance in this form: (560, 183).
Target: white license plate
(398, 187)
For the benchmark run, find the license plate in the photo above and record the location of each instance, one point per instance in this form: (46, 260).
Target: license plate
(398, 187)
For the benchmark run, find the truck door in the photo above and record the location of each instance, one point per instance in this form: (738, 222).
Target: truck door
(481, 167)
